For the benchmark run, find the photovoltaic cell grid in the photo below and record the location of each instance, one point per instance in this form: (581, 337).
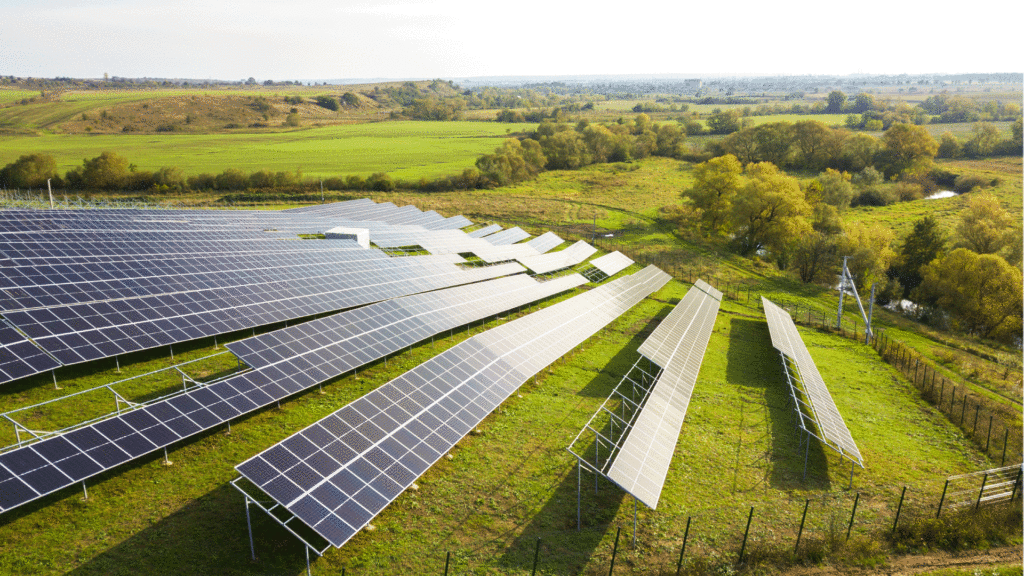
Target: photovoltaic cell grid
(678, 345)
(86, 332)
(339, 473)
(19, 357)
(506, 237)
(389, 326)
(38, 469)
(787, 340)
(612, 263)
(503, 253)
(544, 263)
(545, 242)
(480, 233)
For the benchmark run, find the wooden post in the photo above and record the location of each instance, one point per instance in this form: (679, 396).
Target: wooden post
(938, 512)
(801, 531)
(898, 510)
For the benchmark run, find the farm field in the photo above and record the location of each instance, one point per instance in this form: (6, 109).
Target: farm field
(405, 149)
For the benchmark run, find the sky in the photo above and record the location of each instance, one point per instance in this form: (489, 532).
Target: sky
(399, 39)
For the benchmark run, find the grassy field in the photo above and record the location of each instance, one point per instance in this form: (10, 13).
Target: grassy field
(406, 149)
(515, 482)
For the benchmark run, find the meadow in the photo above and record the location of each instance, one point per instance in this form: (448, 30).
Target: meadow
(409, 149)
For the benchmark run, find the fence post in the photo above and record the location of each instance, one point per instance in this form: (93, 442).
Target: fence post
(743, 547)
(942, 499)
(963, 410)
(536, 555)
(974, 429)
(615, 549)
(1016, 485)
(988, 437)
(1006, 438)
(447, 560)
(686, 534)
(801, 531)
(898, 510)
(984, 480)
(852, 514)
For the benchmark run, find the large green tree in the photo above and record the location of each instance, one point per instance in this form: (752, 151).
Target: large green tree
(836, 99)
(984, 226)
(906, 147)
(770, 211)
(920, 247)
(28, 171)
(715, 185)
(981, 291)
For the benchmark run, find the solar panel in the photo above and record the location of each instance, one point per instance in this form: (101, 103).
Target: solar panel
(340, 472)
(612, 263)
(19, 357)
(481, 232)
(35, 470)
(545, 263)
(641, 464)
(829, 422)
(545, 242)
(506, 237)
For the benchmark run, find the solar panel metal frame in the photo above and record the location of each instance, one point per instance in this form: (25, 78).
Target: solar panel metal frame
(490, 360)
(807, 388)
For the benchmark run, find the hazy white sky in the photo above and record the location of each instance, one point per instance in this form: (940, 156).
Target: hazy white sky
(311, 39)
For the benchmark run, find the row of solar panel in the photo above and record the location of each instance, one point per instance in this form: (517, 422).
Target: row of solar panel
(677, 345)
(786, 339)
(32, 471)
(546, 263)
(340, 472)
(85, 332)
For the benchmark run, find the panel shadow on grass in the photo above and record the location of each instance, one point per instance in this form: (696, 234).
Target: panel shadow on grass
(206, 536)
(755, 365)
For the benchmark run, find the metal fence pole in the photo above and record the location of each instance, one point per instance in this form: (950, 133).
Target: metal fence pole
(536, 555)
(743, 547)
(801, 531)
(852, 515)
(898, 510)
(942, 499)
(682, 552)
(984, 480)
(615, 549)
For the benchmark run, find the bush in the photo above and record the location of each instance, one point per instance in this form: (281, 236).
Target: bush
(867, 177)
(380, 182)
(968, 182)
(871, 197)
(203, 181)
(328, 102)
(292, 119)
(907, 191)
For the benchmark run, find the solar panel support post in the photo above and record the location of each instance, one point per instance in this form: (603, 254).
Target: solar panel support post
(85, 490)
(248, 523)
(579, 477)
(842, 292)
(54, 373)
(308, 571)
(117, 360)
(852, 465)
(634, 519)
(807, 451)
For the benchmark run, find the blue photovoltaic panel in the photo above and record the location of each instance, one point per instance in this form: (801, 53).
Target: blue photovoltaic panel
(339, 473)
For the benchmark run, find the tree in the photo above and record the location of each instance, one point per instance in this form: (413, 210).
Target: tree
(815, 256)
(774, 141)
(513, 161)
(983, 140)
(949, 146)
(920, 247)
(862, 103)
(836, 99)
(715, 185)
(869, 250)
(906, 147)
(836, 189)
(984, 226)
(108, 171)
(28, 171)
(859, 151)
(811, 140)
(769, 211)
(725, 122)
(981, 291)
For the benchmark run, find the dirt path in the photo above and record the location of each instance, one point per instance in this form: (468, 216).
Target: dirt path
(915, 564)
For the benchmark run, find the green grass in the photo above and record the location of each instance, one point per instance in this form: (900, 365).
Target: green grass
(405, 149)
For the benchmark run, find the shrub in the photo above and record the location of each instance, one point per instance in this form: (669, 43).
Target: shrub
(871, 197)
(328, 102)
(203, 181)
(380, 182)
(968, 182)
(869, 176)
(907, 191)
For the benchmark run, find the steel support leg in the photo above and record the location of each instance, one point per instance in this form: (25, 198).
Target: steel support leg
(248, 523)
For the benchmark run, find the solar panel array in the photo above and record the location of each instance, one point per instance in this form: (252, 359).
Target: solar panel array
(545, 263)
(612, 263)
(481, 232)
(787, 340)
(340, 472)
(545, 242)
(366, 334)
(508, 236)
(677, 345)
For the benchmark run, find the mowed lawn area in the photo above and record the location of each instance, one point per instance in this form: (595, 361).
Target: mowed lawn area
(403, 149)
